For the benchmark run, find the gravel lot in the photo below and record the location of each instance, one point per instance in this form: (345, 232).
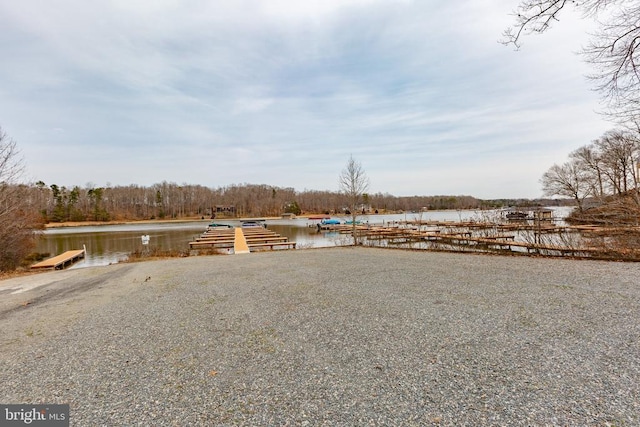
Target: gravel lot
(336, 336)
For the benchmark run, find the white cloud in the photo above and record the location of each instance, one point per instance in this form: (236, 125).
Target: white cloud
(282, 92)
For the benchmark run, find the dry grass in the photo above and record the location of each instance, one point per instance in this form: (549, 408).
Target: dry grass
(156, 254)
(21, 272)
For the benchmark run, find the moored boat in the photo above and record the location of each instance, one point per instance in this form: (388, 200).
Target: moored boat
(252, 224)
(217, 226)
(517, 215)
(330, 221)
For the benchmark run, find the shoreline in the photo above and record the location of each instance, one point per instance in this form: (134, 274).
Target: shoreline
(70, 224)
(196, 219)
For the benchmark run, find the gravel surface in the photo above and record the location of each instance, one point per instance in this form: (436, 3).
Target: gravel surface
(336, 336)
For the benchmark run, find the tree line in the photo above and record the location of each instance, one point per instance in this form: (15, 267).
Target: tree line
(168, 200)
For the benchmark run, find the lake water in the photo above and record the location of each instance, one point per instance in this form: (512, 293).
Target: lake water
(109, 244)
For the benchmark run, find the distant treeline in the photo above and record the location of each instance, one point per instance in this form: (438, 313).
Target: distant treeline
(173, 201)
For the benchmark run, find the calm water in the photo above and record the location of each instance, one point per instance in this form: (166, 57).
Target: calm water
(112, 243)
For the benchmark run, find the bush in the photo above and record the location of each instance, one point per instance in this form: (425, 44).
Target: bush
(18, 225)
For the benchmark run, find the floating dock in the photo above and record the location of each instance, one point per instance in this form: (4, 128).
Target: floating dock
(61, 261)
(242, 240)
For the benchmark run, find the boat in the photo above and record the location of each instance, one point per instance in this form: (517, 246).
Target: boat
(252, 224)
(330, 221)
(517, 215)
(216, 226)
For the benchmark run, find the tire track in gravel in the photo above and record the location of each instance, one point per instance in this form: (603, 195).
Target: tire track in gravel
(63, 289)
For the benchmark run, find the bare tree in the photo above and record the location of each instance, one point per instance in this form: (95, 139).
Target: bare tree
(613, 50)
(607, 169)
(568, 180)
(353, 183)
(18, 220)
(612, 162)
(589, 160)
(619, 152)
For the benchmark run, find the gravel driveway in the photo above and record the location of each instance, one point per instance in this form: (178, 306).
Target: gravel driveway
(336, 336)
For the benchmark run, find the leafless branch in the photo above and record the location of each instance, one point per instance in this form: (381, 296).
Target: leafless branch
(613, 50)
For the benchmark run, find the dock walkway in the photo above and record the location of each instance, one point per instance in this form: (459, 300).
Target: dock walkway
(240, 242)
(61, 261)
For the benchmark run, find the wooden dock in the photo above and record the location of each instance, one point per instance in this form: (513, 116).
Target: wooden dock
(242, 240)
(61, 261)
(543, 239)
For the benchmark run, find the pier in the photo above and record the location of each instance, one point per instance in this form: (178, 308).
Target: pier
(242, 240)
(541, 237)
(61, 261)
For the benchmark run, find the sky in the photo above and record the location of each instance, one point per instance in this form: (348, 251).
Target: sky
(283, 92)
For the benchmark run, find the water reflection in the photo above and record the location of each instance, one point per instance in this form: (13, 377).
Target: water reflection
(113, 243)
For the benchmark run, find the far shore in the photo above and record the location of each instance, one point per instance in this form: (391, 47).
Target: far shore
(179, 220)
(150, 221)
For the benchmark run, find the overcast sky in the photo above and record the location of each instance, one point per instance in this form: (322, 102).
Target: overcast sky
(282, 92)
